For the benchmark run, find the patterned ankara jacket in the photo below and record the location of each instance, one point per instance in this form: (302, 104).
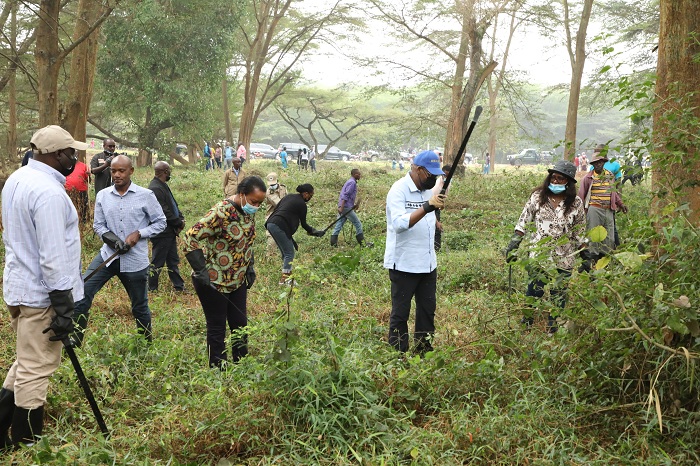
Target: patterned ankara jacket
(226, 236)
(567, 231)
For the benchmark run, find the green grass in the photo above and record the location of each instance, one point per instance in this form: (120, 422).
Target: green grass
(321, 385)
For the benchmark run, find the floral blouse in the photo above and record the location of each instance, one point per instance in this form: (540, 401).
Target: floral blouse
(566, 231)
(226, 235)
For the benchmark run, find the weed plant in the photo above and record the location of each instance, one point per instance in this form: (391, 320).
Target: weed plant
(321, 386)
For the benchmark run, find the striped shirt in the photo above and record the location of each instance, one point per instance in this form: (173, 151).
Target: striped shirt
(601, 188)
(138, 209)
(42, 242)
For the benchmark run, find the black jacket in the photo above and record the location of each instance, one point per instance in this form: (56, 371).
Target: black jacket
(289, 213)
(168, 204)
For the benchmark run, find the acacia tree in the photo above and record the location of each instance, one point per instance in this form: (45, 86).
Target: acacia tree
(325, 116)
(677, 106)
(158, 72)
(421, 23)
(273, 37)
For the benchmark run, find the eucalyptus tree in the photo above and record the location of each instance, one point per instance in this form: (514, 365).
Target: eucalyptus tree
(160, 65)
(273, 36)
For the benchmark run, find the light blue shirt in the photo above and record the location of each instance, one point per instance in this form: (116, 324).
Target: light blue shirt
(229, 153)
(138, 209)
(613, 166)
(409, 249)
(42, 241)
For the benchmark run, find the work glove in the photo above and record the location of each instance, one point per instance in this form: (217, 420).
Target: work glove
(250, 276)
(62, 322)
(435, 202)
(115, 243)
(588, 261)
(318, 233)
(514, 244)
(200, 272)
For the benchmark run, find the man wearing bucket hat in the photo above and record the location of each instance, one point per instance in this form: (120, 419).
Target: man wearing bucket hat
(275, 192)
(410, 251)
(41, 280)
(560, 226)
(601, 199)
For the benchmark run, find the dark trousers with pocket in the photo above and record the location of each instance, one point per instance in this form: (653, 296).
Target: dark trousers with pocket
(404, 286)
(164, 252)
(221, 309)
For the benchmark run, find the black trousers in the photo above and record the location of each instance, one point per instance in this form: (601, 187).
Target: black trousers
(164, 252)
(404, 286)
(220, 309)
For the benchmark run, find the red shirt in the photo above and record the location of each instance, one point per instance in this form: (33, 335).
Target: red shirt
(79, 178)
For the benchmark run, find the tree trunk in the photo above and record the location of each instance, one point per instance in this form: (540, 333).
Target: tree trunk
(82, 72)
(677, 107)
(227, 114)
(10, 158)
(48, 61)
(578, 60)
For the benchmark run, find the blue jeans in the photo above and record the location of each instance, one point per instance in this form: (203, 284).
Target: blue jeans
(136, 285)
(352, 216)
(285, 245)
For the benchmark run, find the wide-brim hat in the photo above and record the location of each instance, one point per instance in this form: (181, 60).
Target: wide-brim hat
(564, 167)
(597, 157)
(430, 161)
(53, 138)
(272, 178)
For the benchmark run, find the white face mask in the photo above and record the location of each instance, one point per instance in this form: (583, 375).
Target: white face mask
(274, 186)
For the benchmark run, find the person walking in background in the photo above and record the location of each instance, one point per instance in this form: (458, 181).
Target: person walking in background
(487, 164)
(218, 155)
(207, 156)
(304, 158)
(601, 199)
(275, 192)
(232, 177)
(241, 153)
(284, 222)
(228, 157)
(438, 223)
(583, 162)
(99, 165)
(41, 279)
(560, 227)
(126, 215)
(77, 189)
(312, 160)
(164, 244)
(612, 166)
(220, 250)
(283, 157)
(347, 202)
(410, 251)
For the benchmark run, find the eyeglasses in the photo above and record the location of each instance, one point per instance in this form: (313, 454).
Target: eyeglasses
(430, 175)
(559, 178)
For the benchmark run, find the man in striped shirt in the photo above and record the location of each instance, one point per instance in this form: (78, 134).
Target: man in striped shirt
(601, 200)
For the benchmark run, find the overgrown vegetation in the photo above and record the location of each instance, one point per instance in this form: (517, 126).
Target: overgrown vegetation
(604, 392)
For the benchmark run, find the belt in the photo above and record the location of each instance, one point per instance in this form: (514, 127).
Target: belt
(600, 206)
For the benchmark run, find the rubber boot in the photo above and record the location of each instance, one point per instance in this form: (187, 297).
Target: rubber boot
(7, 410)
(144, 328)
(334, 240)
(27, 425)
(361, 239)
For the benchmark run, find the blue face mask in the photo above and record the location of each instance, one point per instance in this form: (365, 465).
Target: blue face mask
(557, 188)
(249, 209)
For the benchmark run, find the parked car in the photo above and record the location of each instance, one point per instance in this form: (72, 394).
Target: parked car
(547, 156)
(333, 153)
(292, 148)
(262, 151)
(525, 156)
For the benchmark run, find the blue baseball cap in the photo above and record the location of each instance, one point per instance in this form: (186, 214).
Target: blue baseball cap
(430, 161)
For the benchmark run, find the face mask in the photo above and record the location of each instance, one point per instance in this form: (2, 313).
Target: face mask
(67, 171)
(249, 209)
(429, 183)
(557, 188)
(274, 186)
(167, 178)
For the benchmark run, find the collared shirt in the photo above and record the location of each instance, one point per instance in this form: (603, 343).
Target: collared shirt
(348, 193)
(409, 249)
(42, 241)
(138, 209)
(104, 178)
(226, 235)
(566, 231)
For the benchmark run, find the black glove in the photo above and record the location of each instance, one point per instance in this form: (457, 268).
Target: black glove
(62, 322)
(115, 243)
(200, 273)
(318, 233)
(514, 244)
(588, 261)
(250, 276)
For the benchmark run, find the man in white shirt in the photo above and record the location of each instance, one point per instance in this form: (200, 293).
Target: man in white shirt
(41, 280)
(410, 251)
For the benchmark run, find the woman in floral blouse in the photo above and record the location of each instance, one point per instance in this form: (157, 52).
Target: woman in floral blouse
(558, 232)
(219, 249)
